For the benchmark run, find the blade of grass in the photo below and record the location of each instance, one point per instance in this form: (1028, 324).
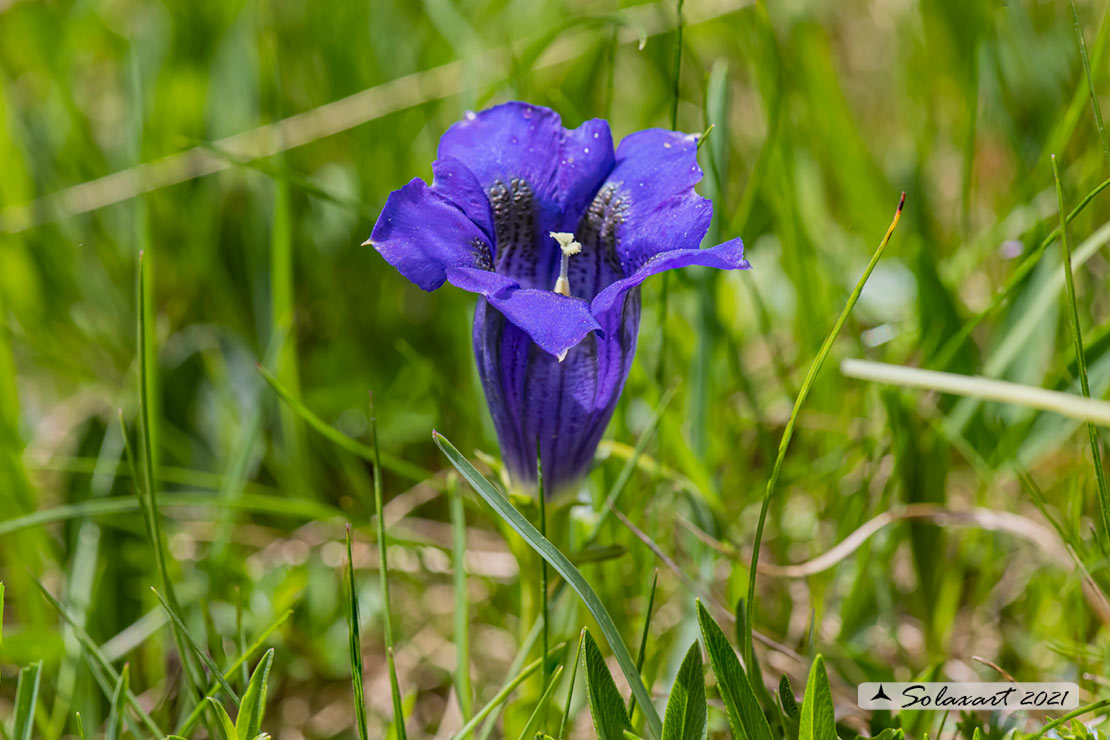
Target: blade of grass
(355, 644)
(503, 694)
(522, 653)
(644, 637)
(1095, 108)
(462, 607)
(194, 716)
(541, 706)
(570, 689)
(383, 576)
(788, 432)
(391, 463)
(1093, 707)
(113, 731)
(309, 510)
(248, 722)
(952, 345)
(148, 495)
(542, 503)
(198, 651)
(100, 661)
(987, 389)
(564, 568)
(26, 697)
(1077, 338)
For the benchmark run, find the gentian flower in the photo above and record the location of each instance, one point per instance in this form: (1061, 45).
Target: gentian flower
(555, 233)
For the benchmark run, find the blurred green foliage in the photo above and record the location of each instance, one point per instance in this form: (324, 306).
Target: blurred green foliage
(823, 113)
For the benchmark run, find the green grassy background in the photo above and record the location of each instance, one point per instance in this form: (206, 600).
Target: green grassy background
(823, 113)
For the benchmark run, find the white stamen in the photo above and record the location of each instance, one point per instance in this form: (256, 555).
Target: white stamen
(569, 246)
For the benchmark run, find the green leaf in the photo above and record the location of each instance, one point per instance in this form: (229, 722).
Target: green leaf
(354, 644)
(818, 721)
(225, 728)
(26, 696)
(745, 717)
(119, 706)
(564, 568)
(790, 710)
(196, 646)
(249, 721)
(687, 713)
(606, 703)
(538, 713)
(786, 695)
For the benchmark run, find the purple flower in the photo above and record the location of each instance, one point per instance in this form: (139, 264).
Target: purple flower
(555, 232)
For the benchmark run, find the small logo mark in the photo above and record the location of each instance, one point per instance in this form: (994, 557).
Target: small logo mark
(880, 694)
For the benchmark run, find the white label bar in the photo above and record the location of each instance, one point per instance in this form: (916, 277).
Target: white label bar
(973, 697)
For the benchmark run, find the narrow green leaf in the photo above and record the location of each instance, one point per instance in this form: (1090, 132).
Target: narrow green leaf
(541, 707)
(687, 714)
(1095, 108)
(606, 703)
(383, 578)
(755, 673)
(463, 689)
(788, 432)
(81, 725)
(198, 650)
(644, 637)
(102, 664)
(248, 723)
(1080, 355)
(26, 696)
(225, 728)
(1, 612)
(143, 481)
(818, 719)
(570, 689)
(113, 730)
(244, 656)
(503, 694)
(564, 568)
(355, 644)
(744, 714)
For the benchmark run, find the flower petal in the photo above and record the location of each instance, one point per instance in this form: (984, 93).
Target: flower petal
(554, 322)
(649, 201)
(423, 234)
(537, 175)
(565, 406)
(727, 256)
(454, 181)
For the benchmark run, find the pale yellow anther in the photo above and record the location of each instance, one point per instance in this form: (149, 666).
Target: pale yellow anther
(569, 246)
(567, 242)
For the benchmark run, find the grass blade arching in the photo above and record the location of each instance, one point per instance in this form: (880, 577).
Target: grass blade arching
(564, 568)
(788, 432)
